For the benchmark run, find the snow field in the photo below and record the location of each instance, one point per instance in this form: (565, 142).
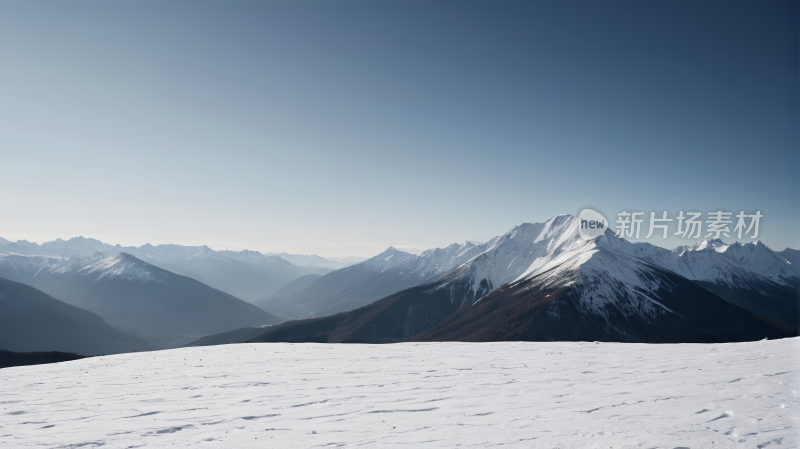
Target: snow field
(567, 395)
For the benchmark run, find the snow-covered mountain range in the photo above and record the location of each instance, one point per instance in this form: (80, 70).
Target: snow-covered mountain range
(609, 288)
(82, 246)
(733, 271)
(556, 248)
(249, 275)
(619, 290)
(628, 291)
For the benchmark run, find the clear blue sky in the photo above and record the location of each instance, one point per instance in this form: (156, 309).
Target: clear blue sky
(343, 127)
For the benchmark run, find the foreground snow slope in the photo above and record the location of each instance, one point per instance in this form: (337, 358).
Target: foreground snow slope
(429, 394)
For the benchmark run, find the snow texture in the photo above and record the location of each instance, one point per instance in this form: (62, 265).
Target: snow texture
(576, 395)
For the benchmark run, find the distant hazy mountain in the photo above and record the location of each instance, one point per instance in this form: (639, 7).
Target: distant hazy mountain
(248, 275)
(365, 282)
(345, 289)
(350, 260)
(282, 302)
(31, 320)
(315, 261)
(136, 296)
(22, 247)
(543, 282)
(297, 285)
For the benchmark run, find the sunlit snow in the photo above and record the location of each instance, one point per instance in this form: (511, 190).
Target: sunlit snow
(576, 395)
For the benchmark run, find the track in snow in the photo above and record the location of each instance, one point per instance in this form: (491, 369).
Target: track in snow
(409, 395)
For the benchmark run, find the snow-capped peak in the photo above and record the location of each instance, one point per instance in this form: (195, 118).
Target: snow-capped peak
(708, 245)
(522, 252)
(555, 247)
(390, 258)
(122, 265)
(97, 267)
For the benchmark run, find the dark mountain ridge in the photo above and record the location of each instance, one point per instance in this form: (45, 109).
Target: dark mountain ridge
(31, 320)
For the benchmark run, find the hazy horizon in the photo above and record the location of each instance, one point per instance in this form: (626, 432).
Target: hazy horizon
(379, 247)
